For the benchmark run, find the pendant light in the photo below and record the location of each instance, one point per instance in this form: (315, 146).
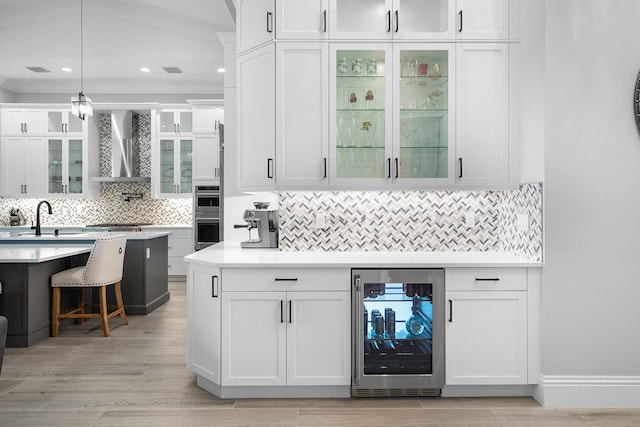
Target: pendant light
(81, 105)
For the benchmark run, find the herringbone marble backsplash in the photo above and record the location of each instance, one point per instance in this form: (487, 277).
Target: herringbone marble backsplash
(413, 221)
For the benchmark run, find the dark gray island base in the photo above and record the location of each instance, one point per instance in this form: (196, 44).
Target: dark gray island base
(26, 290)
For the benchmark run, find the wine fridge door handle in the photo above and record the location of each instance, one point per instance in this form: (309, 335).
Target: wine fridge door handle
(359, 327)
(214, 286)
(450, 311)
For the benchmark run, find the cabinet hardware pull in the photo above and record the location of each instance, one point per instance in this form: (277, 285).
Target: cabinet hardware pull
(269, 22)
(325, 167)
(324, 21)
(479, 279)
(216, 172)
(281, 311)
(293, 279)
(460, 13)
(450, 311)
(269, 168)
(388, 21)
(214, 286)
(397, 167)
(397, 21)
(388, 167)
(175, 129)
(290, 313)
(460, 164)
(25, 189)
(357, 308)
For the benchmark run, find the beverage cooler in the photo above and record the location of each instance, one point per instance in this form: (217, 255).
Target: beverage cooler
(398, 332)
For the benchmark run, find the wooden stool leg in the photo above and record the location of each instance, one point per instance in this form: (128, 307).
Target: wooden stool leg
(55, 311)
(123, 315)
(80, 320)
(103, 311)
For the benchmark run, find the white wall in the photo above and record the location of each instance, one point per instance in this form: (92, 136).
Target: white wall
(592, 202)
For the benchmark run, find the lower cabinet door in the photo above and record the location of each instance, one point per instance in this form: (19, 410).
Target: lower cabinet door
(203, 340)
(318, 338)
(254, 338)
(486, 337)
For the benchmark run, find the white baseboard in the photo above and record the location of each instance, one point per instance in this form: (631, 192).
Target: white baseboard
(562, 391)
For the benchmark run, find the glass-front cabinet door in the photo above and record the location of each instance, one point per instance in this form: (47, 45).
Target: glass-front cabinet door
(392, 19)
(175, 121)
(65, 166)
(175, 166)
(422, 125)
(390, 118)
(63, 122)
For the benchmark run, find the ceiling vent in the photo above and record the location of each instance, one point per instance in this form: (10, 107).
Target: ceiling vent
(38, 69)
(172, 70)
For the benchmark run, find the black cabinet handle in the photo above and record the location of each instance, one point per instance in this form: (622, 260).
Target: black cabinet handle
(281, 311)
(460, 164)
(290, 315)
(269, 22)
(325, 166)
(460, 14)
(450, 311)
(388, 167)
(397, 21)
(397, 167)
(324, 21)
(214, 286)
(479, 279)
(269, 168)
(388, 21)
(293, 279)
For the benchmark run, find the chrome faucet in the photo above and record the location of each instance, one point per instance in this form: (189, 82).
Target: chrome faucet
(38, 231)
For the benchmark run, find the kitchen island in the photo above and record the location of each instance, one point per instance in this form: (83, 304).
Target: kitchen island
(271, 323)
(144, 282)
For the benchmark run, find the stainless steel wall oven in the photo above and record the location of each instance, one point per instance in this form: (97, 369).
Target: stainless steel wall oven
(206, 216)
(398, 332)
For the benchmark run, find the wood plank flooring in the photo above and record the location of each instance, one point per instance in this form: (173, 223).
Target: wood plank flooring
(137, 377)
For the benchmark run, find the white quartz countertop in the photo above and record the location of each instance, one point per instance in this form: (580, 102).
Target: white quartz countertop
(230, 254)
(31, 253)
(49, 237)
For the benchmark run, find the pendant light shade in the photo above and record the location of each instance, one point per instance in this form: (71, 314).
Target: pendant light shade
(81, 105)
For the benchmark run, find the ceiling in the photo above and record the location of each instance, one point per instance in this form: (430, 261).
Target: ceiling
(120, 37)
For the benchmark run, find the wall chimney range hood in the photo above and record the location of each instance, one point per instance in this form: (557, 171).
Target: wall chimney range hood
(125, 165)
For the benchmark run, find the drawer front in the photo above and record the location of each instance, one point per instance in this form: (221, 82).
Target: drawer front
(181, 233)
(493, 279)
(180, 247)
(286, 279)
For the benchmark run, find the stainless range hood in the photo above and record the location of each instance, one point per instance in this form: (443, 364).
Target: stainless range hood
(125, 165)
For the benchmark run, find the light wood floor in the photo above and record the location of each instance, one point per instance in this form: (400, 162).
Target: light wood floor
(137, 377)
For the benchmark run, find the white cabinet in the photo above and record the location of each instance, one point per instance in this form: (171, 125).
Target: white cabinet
(391, 19)
(171, 171)
(486, 328)
(391, 122)
(302, 141)
(175, 121)
(482, 115)
(256, 119)
(204, 315)
(256, 23)
(24, 166)
(23, 122)
(302, 20)
(278, 330)
(483, 19)
(180, 244)
(206, 158)
(207, 120)
(62, 122)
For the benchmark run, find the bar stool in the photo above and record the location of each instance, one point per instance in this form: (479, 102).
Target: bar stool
(103, 268)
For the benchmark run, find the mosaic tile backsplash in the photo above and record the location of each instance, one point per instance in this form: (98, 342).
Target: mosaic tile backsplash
(413, 221)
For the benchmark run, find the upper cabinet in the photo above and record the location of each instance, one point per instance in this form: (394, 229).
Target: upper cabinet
(23, 166)
(256, 23)
(207, 120)
(175, 121)
(62, 122)
(23, 121)
(483, 19)
(391, 19)
(302, 20)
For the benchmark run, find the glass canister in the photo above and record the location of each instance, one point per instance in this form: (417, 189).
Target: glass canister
(372, 67)
(356, 66)
(342, 66)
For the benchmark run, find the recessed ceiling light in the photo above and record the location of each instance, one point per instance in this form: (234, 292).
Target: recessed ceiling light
(66, 69)
(221, 70)
(145, 69)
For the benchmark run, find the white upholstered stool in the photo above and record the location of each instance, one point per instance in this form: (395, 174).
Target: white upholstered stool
(103, 268)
